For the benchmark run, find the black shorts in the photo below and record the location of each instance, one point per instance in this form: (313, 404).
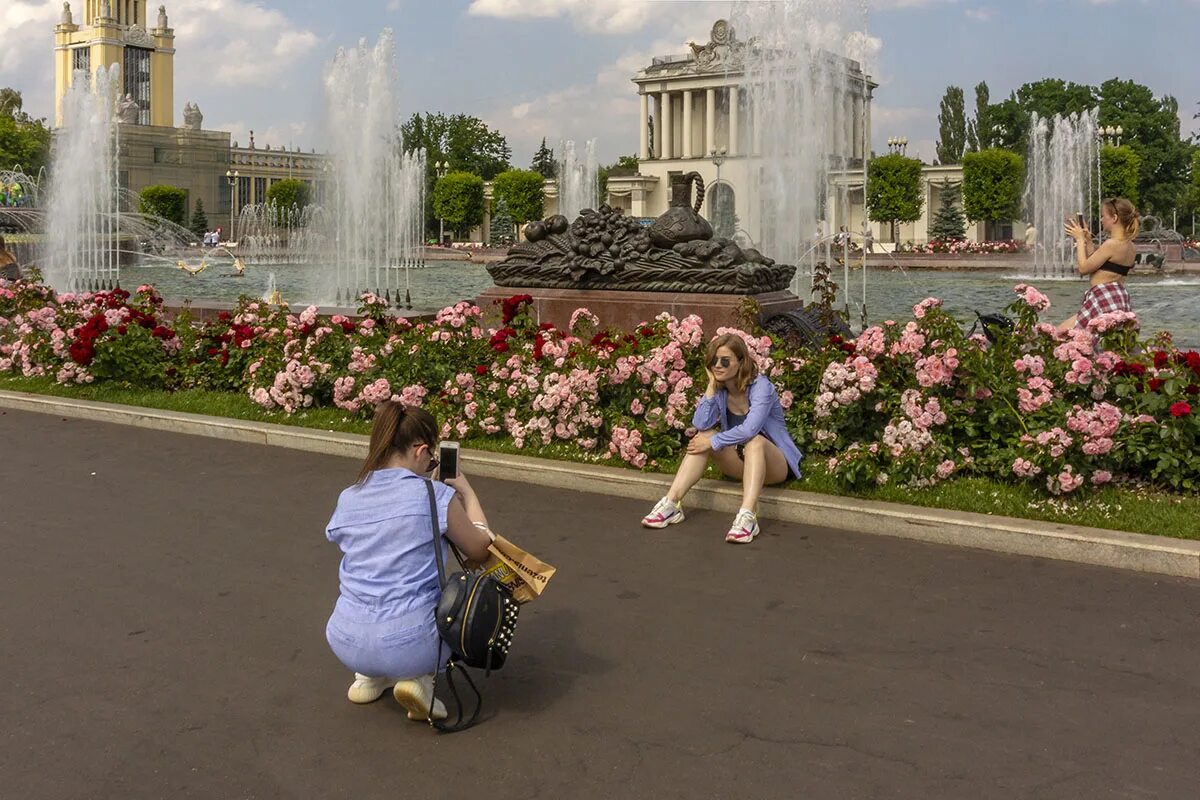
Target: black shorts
(741, 453)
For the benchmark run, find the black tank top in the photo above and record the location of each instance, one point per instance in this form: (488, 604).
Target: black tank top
(1120, 269)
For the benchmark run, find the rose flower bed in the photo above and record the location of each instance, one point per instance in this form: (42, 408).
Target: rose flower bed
(908, 403)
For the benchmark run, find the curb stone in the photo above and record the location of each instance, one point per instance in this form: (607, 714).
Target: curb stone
(1096, 546)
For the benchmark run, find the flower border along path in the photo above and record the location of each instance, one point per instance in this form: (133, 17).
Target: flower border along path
(1139, 552)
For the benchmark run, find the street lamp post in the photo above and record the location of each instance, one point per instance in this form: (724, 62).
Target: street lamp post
(717, 156)
(232, 177)
(898, 144)
(440, 169)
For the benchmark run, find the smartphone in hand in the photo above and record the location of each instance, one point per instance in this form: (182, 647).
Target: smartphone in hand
(1079, 219)
(448, 460)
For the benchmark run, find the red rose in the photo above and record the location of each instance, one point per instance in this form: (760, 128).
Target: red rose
(1192, 389)
(1192, 358)
(1161, 360)
(82, 352)
(224, 316)
(121, 329)
(481, 370)
(546, 326)
(347, 326)
(1180, 409)
(1156, 384)
(647, 331)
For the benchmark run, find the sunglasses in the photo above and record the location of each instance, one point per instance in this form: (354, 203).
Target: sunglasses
(723, 361)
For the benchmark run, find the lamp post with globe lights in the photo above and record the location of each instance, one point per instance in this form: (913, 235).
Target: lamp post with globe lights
(232, 177)
(440, 169)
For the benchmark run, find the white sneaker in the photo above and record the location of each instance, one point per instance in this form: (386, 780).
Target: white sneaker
(665, 512)
(366, 689)
(744, 528)
(415, 694)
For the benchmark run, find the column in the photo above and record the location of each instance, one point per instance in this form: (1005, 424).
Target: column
(755, 130)
(687, 124)
(733, 122)
(867, 133)
(710, 120)
(658, 126)
(856, 145)
(668, 137)
(644, 140)
(848, 104)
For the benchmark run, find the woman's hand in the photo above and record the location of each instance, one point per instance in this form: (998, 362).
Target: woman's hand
(712, 382)
(700, 444)
(1076, 231)
(461, 485)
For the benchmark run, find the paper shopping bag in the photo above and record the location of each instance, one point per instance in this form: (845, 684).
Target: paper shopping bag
(525, 574)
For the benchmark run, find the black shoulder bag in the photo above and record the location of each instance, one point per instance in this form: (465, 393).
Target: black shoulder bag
(476, 617)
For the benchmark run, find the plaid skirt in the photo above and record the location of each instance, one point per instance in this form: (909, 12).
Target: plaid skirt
(1102, 298)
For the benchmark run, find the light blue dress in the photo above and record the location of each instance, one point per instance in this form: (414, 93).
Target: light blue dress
(764, 416)
(383, 621)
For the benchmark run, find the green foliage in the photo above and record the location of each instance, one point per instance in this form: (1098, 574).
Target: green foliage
(168, 202)
(466, 142)
(949, 223)
(1151, 129)
(979, 129)
(289, 192)
(992, 184)
(543, 161)
(24, 141)
(952, 126)
(500, 233)
(458, 199)
(1119, 168)
(1194, 187)
(522, 192)
(624, 165)
(199, 224)
(894, 189)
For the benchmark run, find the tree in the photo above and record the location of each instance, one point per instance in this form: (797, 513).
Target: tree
(466, 142)
(168, 202)
(522, 192)
(979, 129)
(289, 192)
(543, 161)
(1119, 171)
(24, 141)
(993, 181)
(949, 224)
(952, 126)
(894, 190)
(458, 199)
(1151, 128)
(199, 224)
(501, 230)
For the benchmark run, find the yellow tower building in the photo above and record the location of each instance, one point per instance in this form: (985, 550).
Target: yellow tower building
(115, 32)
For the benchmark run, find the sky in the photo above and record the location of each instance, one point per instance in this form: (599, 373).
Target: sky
(561, 69)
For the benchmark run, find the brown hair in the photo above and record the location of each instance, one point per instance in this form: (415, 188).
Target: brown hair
(1126, 214)
(747, 369)
(395, 429)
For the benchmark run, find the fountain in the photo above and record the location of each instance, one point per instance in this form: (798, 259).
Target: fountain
(578, 185)
(377, 211)
(83, 222)
(795, 85)
(1061, 180)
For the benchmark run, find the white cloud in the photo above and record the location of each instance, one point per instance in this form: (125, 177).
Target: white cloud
(26, 30)
(979, 14)
(601, 16)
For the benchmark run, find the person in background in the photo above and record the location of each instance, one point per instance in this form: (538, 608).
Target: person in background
(1107, 264)
(382, 627)
(10, 270)
(753, 444)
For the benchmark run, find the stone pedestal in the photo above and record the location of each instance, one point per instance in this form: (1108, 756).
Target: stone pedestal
(626, 309)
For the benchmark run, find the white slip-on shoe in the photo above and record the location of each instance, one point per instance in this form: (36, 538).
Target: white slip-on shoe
(366, 689)
(415, 694)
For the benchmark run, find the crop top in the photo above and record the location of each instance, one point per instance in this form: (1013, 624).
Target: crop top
(1120, 269)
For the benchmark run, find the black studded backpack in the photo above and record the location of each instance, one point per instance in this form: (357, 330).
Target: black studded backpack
(476, 617)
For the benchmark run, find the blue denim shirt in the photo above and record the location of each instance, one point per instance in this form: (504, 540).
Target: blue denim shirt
(382, 526)
(765, 416)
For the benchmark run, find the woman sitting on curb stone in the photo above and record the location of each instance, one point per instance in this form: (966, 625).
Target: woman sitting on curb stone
(753, 444)
(383, 626)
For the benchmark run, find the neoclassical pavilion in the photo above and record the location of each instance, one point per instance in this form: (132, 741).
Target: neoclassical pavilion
(693, 103)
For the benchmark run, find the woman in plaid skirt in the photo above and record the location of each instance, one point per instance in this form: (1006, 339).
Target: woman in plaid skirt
(1108, 264)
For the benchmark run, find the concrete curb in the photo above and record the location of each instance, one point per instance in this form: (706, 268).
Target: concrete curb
(1134, 551)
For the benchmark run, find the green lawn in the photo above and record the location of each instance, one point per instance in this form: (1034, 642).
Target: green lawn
(1138, 509)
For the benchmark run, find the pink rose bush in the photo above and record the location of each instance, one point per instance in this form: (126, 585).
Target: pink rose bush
(909, 402)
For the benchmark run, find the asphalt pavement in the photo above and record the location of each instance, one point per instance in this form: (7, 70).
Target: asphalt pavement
(164, 600)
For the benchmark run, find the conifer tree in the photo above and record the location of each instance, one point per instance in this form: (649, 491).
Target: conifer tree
(500, 233)
(949, 224)
(199, 224)
(543, 161)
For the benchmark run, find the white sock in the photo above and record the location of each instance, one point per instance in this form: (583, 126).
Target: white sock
(747, 511)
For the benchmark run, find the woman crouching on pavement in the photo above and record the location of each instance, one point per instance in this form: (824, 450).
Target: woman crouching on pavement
(383, 626)
(752, 445)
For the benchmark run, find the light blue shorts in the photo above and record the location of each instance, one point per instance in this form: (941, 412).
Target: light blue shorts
(396, 647)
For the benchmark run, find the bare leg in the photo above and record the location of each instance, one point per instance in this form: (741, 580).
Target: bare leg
(691, 468)
(764, 464)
